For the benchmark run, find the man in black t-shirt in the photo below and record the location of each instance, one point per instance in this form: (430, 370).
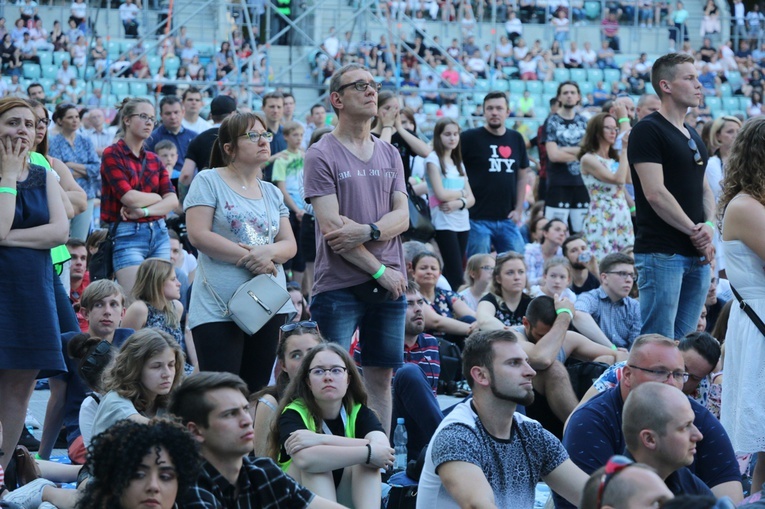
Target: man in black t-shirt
(198, 153)
(675, 205)
(578, 254)
(567, 197)
(496, 163)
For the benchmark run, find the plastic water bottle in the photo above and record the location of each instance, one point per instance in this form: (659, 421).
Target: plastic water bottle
(400, 438)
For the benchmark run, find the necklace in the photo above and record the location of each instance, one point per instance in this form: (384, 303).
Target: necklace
(238, 176)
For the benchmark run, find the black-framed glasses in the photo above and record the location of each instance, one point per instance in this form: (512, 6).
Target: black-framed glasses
(663, 374)
(255, 137)
(623, 275)
(362, 85)
(335, 371)
(614, 465)
(145, 118)
(487, 268)
(306, 324)
(696, 154)
(44, 121)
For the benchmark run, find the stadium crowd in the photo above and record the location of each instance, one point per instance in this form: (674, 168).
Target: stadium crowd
(576, 283)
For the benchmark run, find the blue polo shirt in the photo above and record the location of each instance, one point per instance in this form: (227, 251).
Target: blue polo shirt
(180, 140)
(594, 434)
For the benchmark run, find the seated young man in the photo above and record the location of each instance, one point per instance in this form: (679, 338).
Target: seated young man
(214, 408)
(79, 277)
(103, 304)
(484, 453)
(607, 314)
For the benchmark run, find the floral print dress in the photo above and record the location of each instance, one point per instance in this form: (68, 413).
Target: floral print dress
(608, 225)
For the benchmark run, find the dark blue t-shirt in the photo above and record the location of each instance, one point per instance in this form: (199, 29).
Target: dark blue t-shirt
(76, 388)
(594, 434)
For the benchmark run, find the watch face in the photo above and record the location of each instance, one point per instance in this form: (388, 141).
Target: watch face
(375, 234)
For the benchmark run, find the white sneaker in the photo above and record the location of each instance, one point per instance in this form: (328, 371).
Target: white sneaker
(29, 496)
(31, 421)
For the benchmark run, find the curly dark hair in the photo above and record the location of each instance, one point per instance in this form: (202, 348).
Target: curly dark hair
(114, 456)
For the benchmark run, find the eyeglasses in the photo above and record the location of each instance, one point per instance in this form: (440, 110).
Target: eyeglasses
(335, 371)
(44, 121)
(307, 324)
(610, 129)
(696, 154)
(663, 374)
(146, 118)
(255, 136)
(362, 86)
(487, 268)
(624, 275)
(614, 465)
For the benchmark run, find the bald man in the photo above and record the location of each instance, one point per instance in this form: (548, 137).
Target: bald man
(653, 358)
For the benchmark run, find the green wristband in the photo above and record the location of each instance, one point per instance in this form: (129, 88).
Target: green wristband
(633, 209)
(379, 273)
(623, 120)
(613, 347)
(710, 223)
(564, 310)
(9, 190)
(145, 211)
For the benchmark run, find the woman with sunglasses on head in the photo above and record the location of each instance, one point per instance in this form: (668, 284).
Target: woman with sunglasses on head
(608, 225)
(240, 225)
(80, 157)
(136, 193)
(327, 438)
(297, 339)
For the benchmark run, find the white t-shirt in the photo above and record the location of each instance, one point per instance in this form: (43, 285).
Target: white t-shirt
(200, 126)
(128, 12)
(457, 220)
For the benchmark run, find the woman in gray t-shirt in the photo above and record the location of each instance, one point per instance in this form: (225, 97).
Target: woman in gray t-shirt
(241, 228)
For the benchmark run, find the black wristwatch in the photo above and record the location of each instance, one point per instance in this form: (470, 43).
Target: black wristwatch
(375, 233)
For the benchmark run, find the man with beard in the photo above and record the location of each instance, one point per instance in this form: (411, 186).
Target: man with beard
(484, 454)
(496, 164)
(567, 196)
(607, 314)
(579, 256)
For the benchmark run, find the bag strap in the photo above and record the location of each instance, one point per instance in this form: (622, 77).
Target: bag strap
(223, 306)
(749, 312)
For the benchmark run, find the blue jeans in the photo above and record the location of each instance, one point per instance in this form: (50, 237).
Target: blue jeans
(673, 289)
(505, 235)
(414, 401)
(381, 325)
(135, 242)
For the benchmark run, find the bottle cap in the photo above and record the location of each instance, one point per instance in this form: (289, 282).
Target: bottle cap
(400, 420)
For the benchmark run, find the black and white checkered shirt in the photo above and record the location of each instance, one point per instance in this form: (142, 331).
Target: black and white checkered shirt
(261, 485)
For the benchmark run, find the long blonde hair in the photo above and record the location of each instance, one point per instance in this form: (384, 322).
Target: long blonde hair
(149, 285)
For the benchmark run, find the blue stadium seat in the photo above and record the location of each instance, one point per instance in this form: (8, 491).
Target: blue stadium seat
(550, 88)
(31, 70)
(500, 85)
(46, 57)
(743, 103)
(586, 87)
(171, 65)
(517, 86)
(60, 56)
(594, 75)
(649, 88)
(483, 85)
(592, 9)
(730, 104)
(154, 63)
(734, 78)
(119, 88)
(47, 84)
(430, 108)
(534, 87)
(726, 90)
(611, 75)
(560, 74)
(137, 88)
(714, 103)
(113, 49)
(49, 71)
(579, 75)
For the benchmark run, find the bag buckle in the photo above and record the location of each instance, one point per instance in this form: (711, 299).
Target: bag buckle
(262, 304)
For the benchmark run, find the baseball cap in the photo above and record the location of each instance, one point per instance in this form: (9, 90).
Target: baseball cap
(222, 105)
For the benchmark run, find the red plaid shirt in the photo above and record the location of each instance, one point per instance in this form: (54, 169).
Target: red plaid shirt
(119, 174)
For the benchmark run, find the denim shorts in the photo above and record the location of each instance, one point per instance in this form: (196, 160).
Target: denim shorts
(135, 242)
(381, 325)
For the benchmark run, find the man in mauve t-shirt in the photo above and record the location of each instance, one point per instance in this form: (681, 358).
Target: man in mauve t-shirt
(355, 183)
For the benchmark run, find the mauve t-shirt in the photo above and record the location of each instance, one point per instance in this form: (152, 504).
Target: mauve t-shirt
(364, 192)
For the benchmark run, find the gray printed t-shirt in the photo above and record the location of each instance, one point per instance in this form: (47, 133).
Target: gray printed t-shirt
(365, 191)
(512, 467)
(237, 219)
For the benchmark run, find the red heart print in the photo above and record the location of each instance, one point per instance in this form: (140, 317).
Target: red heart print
(505, 151)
